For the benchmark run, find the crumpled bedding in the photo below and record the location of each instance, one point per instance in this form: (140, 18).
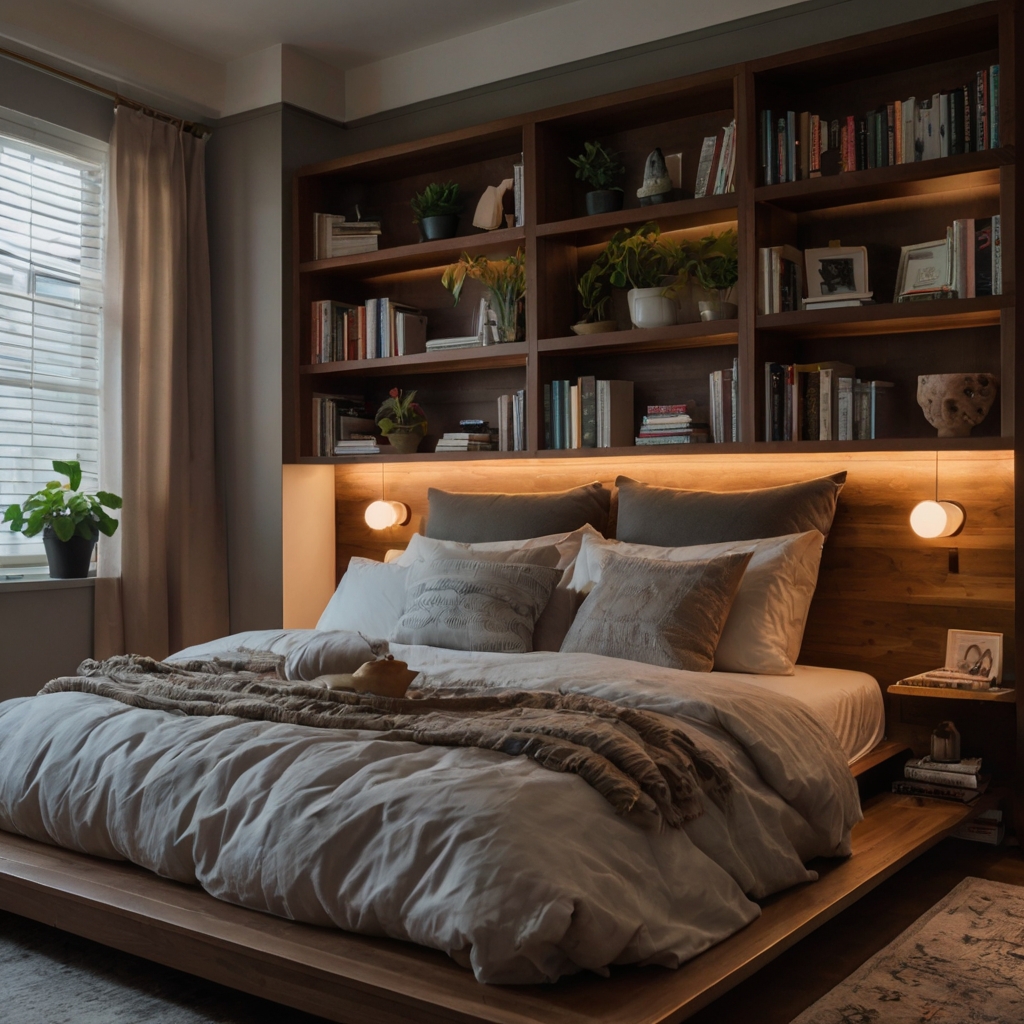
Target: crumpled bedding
(519, 873)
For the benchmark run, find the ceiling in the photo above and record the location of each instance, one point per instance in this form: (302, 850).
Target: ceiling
(345, 33)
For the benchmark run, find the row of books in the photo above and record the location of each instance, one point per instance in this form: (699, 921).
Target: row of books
(968, 263)
(378, 329)
(825, 402)
(961, 781)
(589, 413)
(724, 389)
(806, 145)
(333, 235)
(512, 422)
(340, 418)
(716, 169)
(671, 424)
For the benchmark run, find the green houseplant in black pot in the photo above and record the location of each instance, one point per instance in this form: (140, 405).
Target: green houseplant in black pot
(437, 210)
(69, 520)
(603, 170)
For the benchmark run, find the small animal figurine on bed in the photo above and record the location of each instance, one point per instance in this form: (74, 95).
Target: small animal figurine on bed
(384, 677)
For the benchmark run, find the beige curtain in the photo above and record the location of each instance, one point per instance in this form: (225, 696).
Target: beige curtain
(164, 585)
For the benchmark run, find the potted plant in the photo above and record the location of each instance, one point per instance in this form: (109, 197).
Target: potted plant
(437, 210)
(505, 281)
(69, 520)
(402, 421)
(715, 265)
(641, 261)
(603, 170)
(594, 288)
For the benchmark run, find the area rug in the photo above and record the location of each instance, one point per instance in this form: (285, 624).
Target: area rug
(50, 977)
(960, 963)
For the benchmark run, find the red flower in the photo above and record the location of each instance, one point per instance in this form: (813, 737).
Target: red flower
(393, 392)
(416, 408)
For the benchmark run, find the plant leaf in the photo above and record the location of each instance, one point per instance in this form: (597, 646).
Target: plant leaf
(108, 499)
(63, 527)
(106, 525)
(72, 470)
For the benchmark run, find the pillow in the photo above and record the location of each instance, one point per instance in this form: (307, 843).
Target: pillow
(472, 518)
(765, 627)
(673, 518)
(466, 604)
(658, 612)
(369, 598)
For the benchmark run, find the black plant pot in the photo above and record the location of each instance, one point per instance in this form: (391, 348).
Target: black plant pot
(445, 226)
(605, 200)
(69, 559)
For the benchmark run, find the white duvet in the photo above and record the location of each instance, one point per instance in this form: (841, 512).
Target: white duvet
(522, 873)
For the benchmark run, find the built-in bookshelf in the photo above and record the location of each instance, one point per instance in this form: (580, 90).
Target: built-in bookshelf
(881, 208)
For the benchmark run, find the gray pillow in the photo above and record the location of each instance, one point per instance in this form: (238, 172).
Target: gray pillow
(466, 604)
(658, 612)
(667, 517)
(476, 518)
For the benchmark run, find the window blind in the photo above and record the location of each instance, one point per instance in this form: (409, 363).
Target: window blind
(51, 314)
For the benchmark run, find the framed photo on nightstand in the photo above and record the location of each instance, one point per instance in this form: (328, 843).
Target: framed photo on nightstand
(975, 654)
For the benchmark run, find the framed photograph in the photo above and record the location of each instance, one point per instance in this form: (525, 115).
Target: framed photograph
(924, 268)
(837, 272)
(975, 654)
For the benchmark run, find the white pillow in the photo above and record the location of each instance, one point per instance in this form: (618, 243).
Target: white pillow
(369, 599)
(765, 627)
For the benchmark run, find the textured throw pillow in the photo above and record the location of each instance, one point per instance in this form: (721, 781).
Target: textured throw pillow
(467, 604)
(658, 612)
(674, 518)
(765, 627)
(369, 598)
(472, 518)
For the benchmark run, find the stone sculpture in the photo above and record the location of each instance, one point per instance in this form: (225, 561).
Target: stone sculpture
(953, 403)
(657, 182)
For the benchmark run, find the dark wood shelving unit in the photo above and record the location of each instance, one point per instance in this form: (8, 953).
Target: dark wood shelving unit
(881, 208)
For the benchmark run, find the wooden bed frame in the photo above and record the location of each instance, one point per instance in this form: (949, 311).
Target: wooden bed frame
(359, 980)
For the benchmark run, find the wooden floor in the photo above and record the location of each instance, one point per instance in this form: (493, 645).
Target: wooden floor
(349, 978)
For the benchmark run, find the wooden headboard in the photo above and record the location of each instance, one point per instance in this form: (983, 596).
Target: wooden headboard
(885, 597)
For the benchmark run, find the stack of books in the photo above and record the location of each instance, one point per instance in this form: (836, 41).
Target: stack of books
(716, 169)
(359, 445)
(340, 418)
(805, 145)
(724, 389)
(987, 827)
(588, 413)
(948, 679)
(670, 424)
(443, 344)
(512, 422)
(958, 780)
(472, 436)
(379, 329)
(335, 236)
(966, 265)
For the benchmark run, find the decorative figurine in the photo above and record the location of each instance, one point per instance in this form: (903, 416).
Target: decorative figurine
(657, 182)
(953, 403)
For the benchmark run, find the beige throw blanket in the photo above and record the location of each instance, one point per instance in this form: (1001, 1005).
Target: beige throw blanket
(637, 760)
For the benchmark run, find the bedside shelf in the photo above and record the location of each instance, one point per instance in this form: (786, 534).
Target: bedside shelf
(1002, 695)
(648, 339)
(483, 357)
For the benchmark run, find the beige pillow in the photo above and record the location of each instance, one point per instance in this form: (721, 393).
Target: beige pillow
(765, 628)
(658, 612)
(467, 604)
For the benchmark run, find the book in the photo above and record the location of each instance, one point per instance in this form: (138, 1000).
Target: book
(965, 766)
(707, 156)
(997, 255)
(912, 787)
(588, 412)
(993, 107)
(959, 781)
(872, 409)
(614, 411)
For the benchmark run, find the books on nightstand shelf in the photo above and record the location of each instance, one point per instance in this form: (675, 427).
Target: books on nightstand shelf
(341, 421)
(671, 424)
(958, 780)
(987, 827)
(378, 329)
(333, 236)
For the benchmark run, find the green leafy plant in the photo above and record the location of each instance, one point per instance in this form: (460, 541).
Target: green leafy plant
(714, 261)
(61, 506)
(599, 167)
(505, 281)
(437, 200)
(641, 258)
(401, 413)
(595, 290)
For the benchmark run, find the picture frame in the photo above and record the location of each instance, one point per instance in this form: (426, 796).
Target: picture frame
(837, 272)
(925, 268)
(976, 654)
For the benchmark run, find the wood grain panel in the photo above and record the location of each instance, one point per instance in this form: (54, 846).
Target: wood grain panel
(885, 597)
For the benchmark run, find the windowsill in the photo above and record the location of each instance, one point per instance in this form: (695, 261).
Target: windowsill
(11, 582)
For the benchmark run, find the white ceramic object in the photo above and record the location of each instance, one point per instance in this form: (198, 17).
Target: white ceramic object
(650, 307)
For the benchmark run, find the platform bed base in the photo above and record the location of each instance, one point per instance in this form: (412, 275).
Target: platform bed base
(358, 980)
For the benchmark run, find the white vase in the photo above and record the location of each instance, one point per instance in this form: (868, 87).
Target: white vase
(650, 307)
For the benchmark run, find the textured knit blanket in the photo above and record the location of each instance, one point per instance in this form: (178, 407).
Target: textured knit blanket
(637, 760)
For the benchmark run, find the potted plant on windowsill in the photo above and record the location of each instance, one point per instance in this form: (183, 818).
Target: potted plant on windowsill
(644, 263)
(505, 281)
(437, 209)
(402, 421)
(603, 170)
(69, 520)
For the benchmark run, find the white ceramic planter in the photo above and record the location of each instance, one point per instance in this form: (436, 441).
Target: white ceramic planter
(649, 307)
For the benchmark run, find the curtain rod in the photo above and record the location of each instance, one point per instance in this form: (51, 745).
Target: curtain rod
(195, 127)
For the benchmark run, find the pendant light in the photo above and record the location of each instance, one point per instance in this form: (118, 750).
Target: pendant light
(383, 514)
(934, 518)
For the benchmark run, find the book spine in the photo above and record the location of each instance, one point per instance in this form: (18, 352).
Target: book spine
(547, 416)
(943, 104)
(997, 255)
(941, 778)
(981, 106)
(862, 144)
(556, 414)
(956, 123)
(993, 107)
(789, 413)
(780, 150)
(909, 787)
(968, 118)
(897, 128)
(825, 406)
(588, 412)
(890, 134)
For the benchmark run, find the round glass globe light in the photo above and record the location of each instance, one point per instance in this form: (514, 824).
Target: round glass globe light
(380, 515)
(936, 519)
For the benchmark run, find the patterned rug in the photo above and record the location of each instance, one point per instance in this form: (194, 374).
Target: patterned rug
(961, 963)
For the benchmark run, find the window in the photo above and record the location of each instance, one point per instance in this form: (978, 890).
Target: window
(51, 314)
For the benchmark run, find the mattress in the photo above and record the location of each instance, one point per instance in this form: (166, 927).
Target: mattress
(849, 703)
